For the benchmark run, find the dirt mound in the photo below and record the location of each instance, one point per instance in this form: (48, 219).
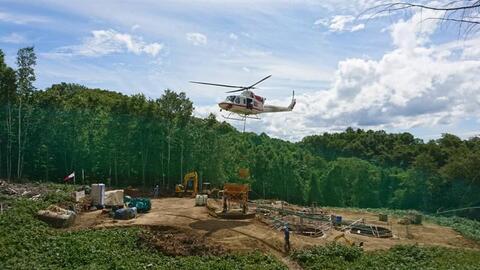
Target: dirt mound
(174, 241)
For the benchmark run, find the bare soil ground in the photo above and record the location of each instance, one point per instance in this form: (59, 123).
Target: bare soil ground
(177, 219)
(179, 242)
(426, 234)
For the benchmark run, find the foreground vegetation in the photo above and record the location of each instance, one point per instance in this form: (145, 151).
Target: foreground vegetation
(27, 243)
(336, 256)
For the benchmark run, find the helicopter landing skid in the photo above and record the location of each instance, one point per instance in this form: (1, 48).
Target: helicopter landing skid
(241, 118)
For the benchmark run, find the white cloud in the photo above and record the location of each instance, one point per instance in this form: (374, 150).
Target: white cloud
(14, 38)
(21, 18)
(340, 23)
(414, 85)
(135, 27)
(233, 36)
(471, 48)
(357, 27)
(196, 38)
(206, 110)
(415, 31)
(322, 21)
(104, 42)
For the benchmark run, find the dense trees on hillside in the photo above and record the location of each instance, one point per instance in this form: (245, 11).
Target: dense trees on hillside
(133, 140)
(398, 170)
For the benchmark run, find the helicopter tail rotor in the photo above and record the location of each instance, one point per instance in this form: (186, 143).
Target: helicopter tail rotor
(294, 101)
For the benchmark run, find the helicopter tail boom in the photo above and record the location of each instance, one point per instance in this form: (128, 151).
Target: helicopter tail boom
(271, 108)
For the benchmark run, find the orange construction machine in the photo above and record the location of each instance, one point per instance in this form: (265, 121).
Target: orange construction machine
(237, 193)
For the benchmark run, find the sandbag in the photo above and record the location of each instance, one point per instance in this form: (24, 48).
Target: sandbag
(57, 217)
(125, 213)
(78, 195)
(114, 197)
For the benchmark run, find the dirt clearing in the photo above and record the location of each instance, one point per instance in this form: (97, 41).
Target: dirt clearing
(179, 242)
(192, 231)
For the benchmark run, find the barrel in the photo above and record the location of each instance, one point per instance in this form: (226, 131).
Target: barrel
(201, 200)
(338, 219)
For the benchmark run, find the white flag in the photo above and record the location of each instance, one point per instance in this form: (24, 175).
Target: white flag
(70, 176)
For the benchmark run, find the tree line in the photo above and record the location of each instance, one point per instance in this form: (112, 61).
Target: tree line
(123, 140)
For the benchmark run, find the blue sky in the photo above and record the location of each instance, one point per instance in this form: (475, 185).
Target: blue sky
(397, 72)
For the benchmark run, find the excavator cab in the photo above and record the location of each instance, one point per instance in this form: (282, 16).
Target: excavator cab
(189, 185)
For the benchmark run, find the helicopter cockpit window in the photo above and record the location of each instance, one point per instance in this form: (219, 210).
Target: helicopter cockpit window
(231, 98)
(237, 100)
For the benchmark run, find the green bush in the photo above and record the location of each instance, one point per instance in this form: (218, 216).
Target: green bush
(336, 256)
(329, 256)
(467, 227)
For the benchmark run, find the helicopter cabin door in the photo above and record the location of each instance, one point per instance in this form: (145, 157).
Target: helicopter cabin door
(249, 103)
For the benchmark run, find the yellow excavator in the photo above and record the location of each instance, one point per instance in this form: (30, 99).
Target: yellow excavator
(189, 185)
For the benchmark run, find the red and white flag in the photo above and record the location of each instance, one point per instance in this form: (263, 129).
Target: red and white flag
(70, 176)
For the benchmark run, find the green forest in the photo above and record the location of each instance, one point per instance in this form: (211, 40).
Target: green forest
(134, 140)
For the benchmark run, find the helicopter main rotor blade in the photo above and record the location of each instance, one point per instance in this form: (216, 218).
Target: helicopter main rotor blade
(253, 85)
(217, 84)
(239, 90)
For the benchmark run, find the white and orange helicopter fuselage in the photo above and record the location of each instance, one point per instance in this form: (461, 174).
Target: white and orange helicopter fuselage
(247, 103)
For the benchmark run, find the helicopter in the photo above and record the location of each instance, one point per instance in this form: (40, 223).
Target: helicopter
(247, 104)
